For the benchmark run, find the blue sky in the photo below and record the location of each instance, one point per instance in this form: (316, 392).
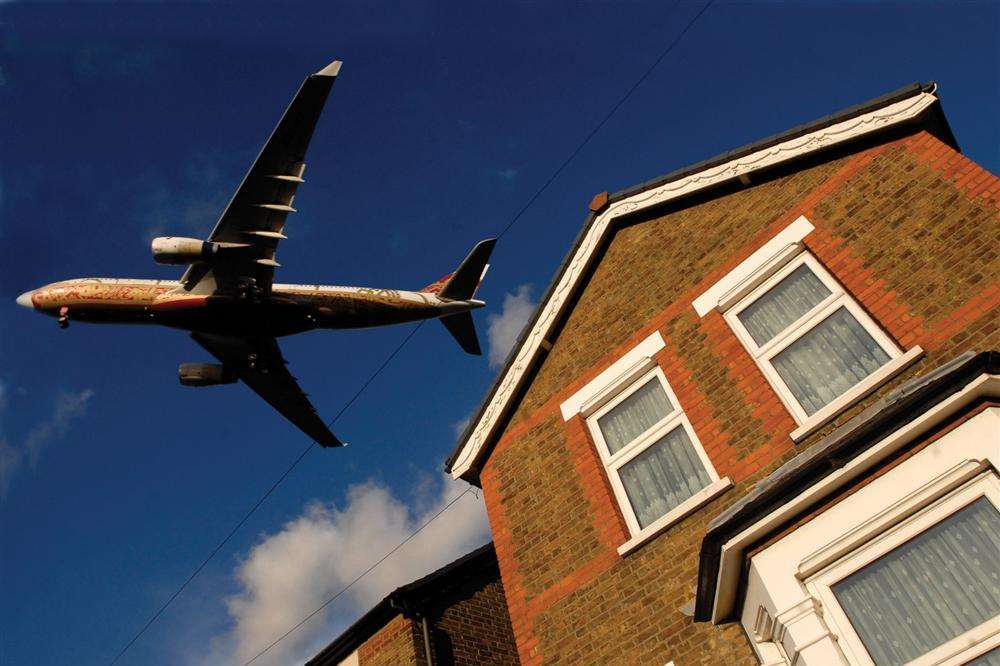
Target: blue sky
(122, 122)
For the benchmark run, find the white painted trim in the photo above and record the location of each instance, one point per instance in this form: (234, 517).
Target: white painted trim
(856, 393)
(549, 311)
(880, 543)
(617, 392)
(754, 269)
(730, 564)
(836, 299)
(617, 374)
(691, 504)
(877, 524)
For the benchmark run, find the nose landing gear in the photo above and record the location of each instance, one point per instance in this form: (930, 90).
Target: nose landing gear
(64, 317)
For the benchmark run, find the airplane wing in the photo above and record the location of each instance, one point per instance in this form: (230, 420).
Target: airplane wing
(256, 214)
(259, 363)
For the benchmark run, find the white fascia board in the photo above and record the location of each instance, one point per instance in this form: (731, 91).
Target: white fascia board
(731, 560)
(633, 363)
(516, 372)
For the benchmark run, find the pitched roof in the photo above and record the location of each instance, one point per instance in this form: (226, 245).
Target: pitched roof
(862, 122)
(409, 600)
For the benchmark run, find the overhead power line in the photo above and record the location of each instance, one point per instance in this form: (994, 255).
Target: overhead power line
(360, 576)
(395, 352)
(267, 493)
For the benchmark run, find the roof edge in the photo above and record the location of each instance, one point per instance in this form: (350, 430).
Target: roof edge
(406, 600)
(465, 463)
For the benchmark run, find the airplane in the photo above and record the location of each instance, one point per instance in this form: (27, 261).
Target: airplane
(227, 299)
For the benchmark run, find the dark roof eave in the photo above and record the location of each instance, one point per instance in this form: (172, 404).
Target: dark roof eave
(845, 114)
(406, 599)
(831, 453)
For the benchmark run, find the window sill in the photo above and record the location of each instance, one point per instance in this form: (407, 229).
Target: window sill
(859, 391)
(703, 496)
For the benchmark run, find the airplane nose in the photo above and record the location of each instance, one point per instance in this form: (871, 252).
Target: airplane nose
(24, 300)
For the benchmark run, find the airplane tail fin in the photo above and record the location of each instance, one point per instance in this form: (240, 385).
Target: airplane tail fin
(461, 286)
(463, 283)
(463, 330)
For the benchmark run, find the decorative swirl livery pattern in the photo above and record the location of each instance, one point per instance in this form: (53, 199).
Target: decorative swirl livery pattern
(837, 133)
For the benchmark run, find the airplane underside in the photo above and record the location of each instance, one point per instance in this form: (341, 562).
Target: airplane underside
(227, 297)
(273, 317)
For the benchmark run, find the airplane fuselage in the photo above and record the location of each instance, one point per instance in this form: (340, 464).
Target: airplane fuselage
(289, 309)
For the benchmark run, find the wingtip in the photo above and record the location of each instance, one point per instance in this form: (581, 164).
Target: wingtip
(330, 70)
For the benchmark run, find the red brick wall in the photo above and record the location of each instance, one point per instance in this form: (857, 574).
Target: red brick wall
(395, 644)
(910, 228)
(468, 625)
(473, 628)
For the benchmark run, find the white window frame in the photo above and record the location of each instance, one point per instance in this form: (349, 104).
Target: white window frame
(614, 462)
(959, 650)
(838, 298)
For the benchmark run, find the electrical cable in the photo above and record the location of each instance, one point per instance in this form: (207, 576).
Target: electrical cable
(264, 497)
(607, 117)
(360, 576)
(385, 363)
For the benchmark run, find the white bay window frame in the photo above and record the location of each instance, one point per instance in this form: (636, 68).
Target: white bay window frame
(789, 609)
(763, 354)
(960, 649)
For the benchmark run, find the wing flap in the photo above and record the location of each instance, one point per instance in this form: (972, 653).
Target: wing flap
(259, 364)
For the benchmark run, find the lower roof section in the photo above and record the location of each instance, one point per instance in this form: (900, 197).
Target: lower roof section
(896, 409)
(409, 600)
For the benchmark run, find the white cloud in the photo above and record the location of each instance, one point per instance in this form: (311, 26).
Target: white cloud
(289, 574)
(458, 427)
(66, 408)
(509, 174)
(503, 329)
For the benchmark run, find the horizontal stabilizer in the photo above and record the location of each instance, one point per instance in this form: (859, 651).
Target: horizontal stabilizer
(463, 330)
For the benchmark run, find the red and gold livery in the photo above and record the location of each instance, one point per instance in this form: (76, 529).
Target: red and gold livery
(227, 298)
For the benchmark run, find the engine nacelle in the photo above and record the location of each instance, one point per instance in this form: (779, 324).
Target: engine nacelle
(205, 374)
(177, 250)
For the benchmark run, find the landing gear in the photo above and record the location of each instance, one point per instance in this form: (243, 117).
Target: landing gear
(63, 317)
(248, 290)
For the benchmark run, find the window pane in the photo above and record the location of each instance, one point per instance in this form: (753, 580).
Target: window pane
(783, 304)
(931, 589)
(663, 476)
(634, 415)
(828, 360)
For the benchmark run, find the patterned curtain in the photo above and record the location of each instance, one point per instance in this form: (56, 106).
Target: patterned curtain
(931, 589)
(828, 360)
(663, 476)
(783, 304)
(634, 415)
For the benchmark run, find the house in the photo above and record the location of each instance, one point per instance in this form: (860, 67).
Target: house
(756, 416)
(456, 614)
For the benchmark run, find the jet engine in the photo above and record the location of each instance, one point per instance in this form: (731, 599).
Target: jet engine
(178, 250)
(205, 374)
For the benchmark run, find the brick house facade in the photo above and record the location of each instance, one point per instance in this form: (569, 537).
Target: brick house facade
(458, 614)
(666, 305)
